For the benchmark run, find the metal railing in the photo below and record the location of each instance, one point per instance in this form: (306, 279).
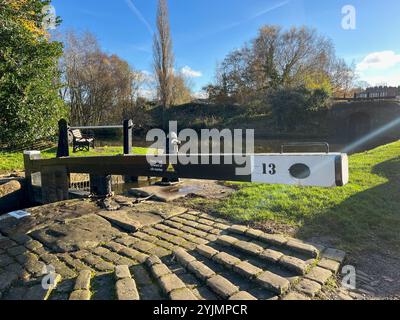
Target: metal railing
(64, 128)
(305, 144)
(97, 127)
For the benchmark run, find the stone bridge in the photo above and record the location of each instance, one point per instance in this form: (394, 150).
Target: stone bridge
(350, 121)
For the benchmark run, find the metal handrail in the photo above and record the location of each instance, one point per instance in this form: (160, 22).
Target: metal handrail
(305, 144)
(96, 127)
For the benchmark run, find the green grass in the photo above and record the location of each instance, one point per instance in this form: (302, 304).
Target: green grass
(13, 161)
(365, 214)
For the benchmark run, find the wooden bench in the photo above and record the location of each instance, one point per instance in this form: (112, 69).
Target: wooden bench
(81, 142)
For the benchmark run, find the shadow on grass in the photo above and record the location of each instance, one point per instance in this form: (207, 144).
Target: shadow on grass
(368, 221)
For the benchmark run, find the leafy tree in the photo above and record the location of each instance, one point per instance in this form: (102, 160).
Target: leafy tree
(29, 102)
(139, 112)
(318, 81)
(296, 107)
(279, 58)
(99, 88)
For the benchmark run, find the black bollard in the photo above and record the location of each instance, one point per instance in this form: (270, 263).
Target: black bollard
(63, 148)
(128, 130)
(128, 127)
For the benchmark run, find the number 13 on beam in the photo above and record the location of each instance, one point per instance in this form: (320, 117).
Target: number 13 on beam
(308, 169)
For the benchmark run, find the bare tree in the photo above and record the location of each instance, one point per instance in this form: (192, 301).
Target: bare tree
(99, 88)
(343, 78)
(163, 57)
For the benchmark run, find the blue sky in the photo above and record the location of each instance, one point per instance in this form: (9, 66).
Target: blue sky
(204, 31)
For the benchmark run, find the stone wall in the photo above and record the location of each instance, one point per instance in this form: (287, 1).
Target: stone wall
(350, 121)
(12, 194)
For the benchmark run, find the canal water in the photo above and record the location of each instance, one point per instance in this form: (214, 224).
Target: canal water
(261, 145)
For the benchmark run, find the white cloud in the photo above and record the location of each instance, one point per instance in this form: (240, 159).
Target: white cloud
(200, 95)
(147, 88)
(147, 76)
(190, 73)
(149, 94)
(379, 61)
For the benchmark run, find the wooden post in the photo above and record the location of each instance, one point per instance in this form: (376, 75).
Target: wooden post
(100, 186)
(63, 148)
(128, 130)
(33, 179)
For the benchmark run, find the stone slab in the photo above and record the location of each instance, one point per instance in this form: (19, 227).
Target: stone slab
(273, 282)
(305, 248)
(206, 251)
(74, 235)
(328, 264)
(126, 290)
(242, 296)
(83, 280)
(310, 288)
(160, 270)
(170, 283)
(44, 216)
(200, 270)
(294, 264)
(183, 257)
(222, 286)
(227, 260)
(122, 272)
(247, 270)
(159, 193)
(122, 219)
(80, 295)
(319, 275)
(183, 295)
(294, 296)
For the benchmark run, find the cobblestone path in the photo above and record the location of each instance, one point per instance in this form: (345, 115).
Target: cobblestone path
(154, 251)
